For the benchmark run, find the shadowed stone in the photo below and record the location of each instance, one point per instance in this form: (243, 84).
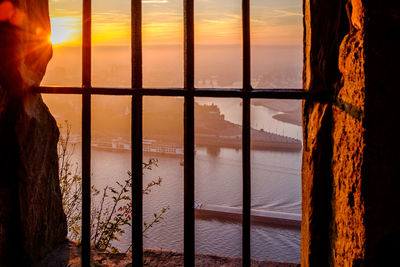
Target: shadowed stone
(351, 148)
(32, 221)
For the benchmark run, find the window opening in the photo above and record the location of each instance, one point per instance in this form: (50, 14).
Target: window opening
(245, 95)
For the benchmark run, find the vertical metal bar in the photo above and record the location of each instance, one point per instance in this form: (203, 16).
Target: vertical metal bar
(189, 44)
(189, 237)
(137, 135)
(246, 45)
(136, 43)
(87, 44)
(246, 133)
(86, 184)
(86, 130)
(246, 182)
(137, 181)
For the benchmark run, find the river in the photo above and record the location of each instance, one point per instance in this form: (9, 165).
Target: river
(275, 186)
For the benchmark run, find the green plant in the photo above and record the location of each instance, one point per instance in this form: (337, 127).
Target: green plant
(70, 182)
(111, 211)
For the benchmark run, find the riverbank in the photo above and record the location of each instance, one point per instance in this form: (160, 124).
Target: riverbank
(69, 255)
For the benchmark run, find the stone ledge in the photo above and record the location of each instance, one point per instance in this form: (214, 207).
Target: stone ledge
(69, 255)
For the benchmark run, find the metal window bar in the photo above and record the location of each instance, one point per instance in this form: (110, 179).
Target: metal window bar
(138, 93)
(86, 130)
(246, 167)
(188, 133)
(188, 92)
(282, 93)
(136, 134)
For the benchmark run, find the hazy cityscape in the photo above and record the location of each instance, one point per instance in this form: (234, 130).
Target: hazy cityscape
(276, 171)
(276, 62)
(215, 67)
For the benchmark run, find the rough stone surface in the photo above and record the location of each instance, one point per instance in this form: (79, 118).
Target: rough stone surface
(348, 231)
(32, 221)
(69, 255)
(325, 25)
(350, 164)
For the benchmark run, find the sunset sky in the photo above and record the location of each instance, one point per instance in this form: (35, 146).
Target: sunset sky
(273, 22)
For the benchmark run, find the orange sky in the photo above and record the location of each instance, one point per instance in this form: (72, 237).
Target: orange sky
(274, 22)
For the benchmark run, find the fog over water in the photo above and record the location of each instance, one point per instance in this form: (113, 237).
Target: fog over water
(216, 66)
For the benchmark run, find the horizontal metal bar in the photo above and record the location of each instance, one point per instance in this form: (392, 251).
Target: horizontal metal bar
(111, 91)
(281, 93)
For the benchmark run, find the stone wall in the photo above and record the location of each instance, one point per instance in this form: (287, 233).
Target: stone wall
(382, 93)
(325, 25)
(350, 180)
(32, 221)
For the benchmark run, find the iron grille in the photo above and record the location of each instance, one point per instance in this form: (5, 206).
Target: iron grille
(189, 92)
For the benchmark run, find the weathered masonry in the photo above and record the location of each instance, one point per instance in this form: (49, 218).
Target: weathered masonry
(32, 220)
(351, 150)
(350, 175)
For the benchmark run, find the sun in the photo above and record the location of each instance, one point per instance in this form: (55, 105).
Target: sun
(64, 30)
(59, 36)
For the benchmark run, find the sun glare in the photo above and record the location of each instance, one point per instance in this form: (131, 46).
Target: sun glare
(64, 30)
(58, 37)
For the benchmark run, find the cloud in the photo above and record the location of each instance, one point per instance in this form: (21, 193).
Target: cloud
(155, 1)
(286, 13)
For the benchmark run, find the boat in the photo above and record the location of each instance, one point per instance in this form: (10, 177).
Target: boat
(259, 217)
(160, 148)
(150, 147)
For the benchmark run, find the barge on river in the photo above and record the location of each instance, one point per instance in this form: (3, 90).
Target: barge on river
(150, 147)
(258, 217)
